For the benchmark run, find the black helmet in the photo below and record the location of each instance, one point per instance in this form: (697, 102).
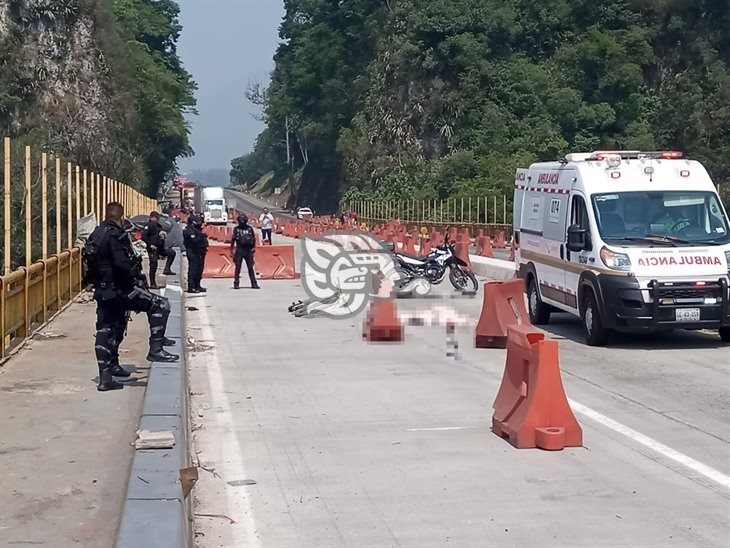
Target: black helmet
(242, 218)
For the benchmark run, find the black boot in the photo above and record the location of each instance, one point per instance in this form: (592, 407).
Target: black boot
(159, 354)
(192, 290)
(201, 289)
(167, 342)
(107, 382)
(119, 371)
(236, 285)
(169, 273)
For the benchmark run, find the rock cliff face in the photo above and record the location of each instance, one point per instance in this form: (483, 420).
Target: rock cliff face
(57, 85)
(97, 81)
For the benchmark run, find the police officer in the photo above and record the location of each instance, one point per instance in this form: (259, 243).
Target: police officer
(112, 268)
(243, 247)
(120, 330)
(152, 236)
(196, 247)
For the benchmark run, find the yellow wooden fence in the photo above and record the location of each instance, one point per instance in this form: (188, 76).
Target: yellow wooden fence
(44, 283)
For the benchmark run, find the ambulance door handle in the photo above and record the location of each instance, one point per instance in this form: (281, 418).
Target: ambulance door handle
(562, 251)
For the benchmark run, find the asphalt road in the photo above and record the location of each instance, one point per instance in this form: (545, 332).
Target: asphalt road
(319, 439)
(241, 201)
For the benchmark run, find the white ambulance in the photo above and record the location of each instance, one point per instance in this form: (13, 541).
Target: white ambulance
(627, 241)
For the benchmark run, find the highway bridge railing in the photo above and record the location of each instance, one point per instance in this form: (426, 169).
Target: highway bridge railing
(493, 211)
(42, 201)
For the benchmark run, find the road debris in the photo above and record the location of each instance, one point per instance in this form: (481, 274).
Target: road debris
(239, 483)
(147, 439)
(49, 336)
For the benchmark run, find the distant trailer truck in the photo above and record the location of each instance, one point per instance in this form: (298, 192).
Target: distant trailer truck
(214, 205)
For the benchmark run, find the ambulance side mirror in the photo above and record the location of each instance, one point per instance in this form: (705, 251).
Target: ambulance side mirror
(577, 239)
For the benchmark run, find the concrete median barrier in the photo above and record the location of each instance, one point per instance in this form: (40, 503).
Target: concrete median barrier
(156, 513)
(494, 269)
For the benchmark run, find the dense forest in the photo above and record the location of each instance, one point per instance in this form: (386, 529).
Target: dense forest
(386, 98)
(99, 82)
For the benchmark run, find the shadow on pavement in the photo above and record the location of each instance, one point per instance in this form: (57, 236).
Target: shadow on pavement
(566, 326)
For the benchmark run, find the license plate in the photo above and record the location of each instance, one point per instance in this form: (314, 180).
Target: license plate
(688, 314)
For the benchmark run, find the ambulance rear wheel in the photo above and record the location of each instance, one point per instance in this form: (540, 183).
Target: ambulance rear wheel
(725, 334)
(592, 325)
(539, 311)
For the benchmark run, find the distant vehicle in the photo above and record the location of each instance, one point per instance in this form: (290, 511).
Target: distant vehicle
(214, 205)
(304, 213)
(627, 241)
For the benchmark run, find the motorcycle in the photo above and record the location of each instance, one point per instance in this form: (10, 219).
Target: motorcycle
(419, 274)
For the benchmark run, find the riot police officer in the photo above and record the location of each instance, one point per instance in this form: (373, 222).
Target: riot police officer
(243, 248)
(196, 247)
(113, 269)
(120, 329)
(153, 237)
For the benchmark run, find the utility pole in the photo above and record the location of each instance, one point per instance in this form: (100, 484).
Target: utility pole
(290, 164)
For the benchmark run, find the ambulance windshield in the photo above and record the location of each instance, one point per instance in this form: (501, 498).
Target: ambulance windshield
(674, 216)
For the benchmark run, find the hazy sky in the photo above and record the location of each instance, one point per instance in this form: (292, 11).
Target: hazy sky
(225, 44)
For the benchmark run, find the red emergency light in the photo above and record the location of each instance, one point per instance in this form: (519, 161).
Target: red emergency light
(600, 155)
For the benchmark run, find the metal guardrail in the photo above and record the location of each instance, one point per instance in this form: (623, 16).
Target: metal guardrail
(31, 296)
(485, 211)
(36, 285)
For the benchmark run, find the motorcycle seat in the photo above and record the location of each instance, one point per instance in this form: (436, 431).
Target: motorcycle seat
(409, 256)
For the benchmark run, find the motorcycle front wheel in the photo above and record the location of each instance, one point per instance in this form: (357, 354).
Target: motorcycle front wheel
(464, 280)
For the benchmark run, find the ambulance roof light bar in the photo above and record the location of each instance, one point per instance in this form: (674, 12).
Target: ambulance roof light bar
(601, 155)
(637, 155)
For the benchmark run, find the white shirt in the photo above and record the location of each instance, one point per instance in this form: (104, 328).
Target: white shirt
(266, 220)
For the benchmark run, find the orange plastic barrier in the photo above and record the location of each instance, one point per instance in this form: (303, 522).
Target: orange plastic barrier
(382, 323)
(503, 306)
(531, 408)
(218, 262)
(500, 242)
(408, 247)
(425, 247)
(484, 246)
(227, 234)
(462, 251)
(275, 262)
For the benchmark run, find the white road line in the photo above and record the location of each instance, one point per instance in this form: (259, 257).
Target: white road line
(239, 506)
(439, 429)
(680, 458)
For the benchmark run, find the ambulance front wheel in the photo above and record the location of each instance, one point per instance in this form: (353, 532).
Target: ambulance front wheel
(539, 311)
(592, 324)
(725, 334)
